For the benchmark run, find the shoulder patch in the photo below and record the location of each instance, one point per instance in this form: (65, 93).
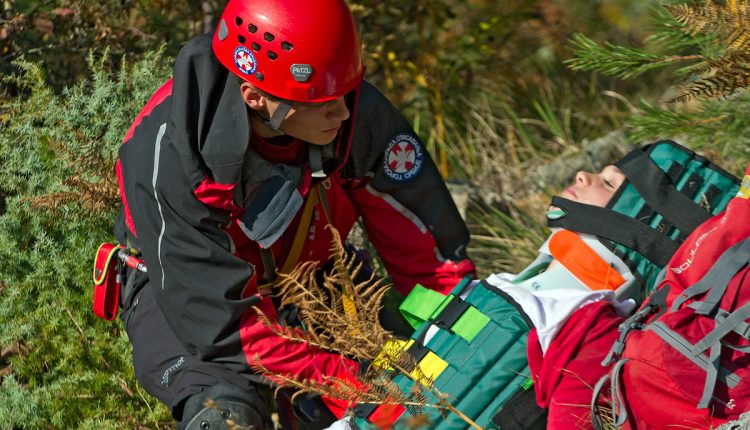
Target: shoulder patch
(403, 158)
(244, 59)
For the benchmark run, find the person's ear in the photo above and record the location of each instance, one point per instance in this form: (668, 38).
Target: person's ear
(252, 97)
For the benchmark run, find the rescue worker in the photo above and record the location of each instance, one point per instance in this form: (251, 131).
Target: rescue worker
(266, 133)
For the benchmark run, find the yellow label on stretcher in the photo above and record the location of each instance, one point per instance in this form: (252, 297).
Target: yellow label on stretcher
(429, 367)
(744, 192)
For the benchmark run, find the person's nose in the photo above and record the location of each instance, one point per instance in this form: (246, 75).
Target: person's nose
(583, 178)
(338, 110)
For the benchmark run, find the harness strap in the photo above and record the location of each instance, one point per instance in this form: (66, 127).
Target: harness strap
(269, 262)
(712, 374)
(347, 298)
(594, 407)
(681, 344)
(635, 322)
(660, 194)
(269, 267)
(717, 278)
(619, 412)
(315, 158)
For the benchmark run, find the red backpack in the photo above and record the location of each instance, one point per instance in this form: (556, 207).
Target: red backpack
(684, 358)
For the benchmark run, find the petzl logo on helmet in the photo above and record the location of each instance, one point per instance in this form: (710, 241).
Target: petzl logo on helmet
(403, 158)
(245, 60)
(301, 72)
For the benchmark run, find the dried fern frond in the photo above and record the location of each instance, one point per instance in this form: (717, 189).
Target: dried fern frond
(721, 84)
(93, 184)
(729, 21)
(729, 25)
(341, 316)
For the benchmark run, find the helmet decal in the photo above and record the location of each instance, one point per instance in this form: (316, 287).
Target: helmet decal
(245, 60)
(301, 72)
(403, 158)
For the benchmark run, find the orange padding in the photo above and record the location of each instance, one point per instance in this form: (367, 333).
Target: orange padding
(583, 262)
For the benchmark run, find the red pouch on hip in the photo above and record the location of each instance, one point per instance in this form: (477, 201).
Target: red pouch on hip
(106, 281)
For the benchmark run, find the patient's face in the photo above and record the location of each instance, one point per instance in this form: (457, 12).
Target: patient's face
(595, 188)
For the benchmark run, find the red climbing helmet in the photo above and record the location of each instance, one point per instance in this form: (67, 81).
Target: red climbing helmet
(297, 50)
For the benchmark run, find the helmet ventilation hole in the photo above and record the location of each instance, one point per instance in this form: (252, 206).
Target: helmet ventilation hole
(241, 38)
(255, 46)
(268, 37)
(252, 28)
(238, 20)
(272, 55)
(286, 46)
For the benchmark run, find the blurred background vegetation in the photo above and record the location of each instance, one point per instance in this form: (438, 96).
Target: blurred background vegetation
(489, 85)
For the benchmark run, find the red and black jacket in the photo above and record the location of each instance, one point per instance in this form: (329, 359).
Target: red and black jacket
(199, 201)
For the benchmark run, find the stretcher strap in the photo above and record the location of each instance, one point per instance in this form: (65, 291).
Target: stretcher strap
(660, 194)
(421, 304)
(614, 226)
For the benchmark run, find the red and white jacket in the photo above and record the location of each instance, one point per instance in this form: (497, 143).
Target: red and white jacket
(199, 200)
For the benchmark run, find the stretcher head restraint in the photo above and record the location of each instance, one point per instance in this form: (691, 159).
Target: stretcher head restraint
(670, 190)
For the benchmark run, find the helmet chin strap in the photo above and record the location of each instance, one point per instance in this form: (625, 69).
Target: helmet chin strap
(315, 155)
(315, 158)
(278, 117)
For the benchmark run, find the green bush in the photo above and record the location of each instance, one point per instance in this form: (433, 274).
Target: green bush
(57, 152)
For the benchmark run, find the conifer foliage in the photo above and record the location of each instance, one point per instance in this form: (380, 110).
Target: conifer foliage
(721, 31)
(63, 367)
(707, 43)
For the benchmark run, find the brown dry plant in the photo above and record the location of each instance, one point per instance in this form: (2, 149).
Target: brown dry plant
(341, 316)
(93, 185)
(729, 23)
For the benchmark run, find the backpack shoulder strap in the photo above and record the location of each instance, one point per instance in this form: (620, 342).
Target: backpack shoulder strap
(717, 278)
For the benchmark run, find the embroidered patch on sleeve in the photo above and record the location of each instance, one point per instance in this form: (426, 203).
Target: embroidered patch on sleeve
(403, 158)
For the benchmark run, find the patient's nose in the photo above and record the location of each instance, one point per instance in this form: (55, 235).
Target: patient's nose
(583, 178)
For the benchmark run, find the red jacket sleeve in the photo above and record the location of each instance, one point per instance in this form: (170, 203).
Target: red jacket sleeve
(262, 344)
(406, 246)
